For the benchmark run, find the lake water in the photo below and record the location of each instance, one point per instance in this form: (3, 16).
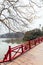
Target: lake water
(4, 47)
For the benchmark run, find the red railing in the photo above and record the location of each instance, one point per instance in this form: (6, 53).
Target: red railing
(14, 52)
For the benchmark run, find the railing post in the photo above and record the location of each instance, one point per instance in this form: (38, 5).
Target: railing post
(9, 53)
(22, 48)
(29, 45)
(38, 40)
(35, 42)
(41, 39)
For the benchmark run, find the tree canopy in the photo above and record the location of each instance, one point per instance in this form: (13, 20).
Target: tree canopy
(17, 14)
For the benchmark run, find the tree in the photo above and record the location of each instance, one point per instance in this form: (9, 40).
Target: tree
(16, 15)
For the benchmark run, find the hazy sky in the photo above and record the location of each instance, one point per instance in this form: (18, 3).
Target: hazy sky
(39, 20)
(35, 23)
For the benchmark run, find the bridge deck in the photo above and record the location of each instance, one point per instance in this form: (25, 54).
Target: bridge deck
(32, 57)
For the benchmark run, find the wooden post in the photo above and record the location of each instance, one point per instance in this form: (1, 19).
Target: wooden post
(9, 53)
(39, 40)
(29, 45)
(35, 42)
(22, 48)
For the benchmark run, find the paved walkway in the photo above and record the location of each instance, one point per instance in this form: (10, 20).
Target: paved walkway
(32, 57)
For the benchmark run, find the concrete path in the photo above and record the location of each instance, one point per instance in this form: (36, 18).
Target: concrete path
(32, 57)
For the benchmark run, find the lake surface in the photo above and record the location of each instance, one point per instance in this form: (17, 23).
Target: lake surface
(4, 46)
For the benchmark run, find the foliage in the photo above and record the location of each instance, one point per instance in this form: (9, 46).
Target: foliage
(33, 34)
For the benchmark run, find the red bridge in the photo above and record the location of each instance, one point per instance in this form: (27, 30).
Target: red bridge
(15, 52)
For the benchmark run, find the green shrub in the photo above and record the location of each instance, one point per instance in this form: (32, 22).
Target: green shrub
(30, 35)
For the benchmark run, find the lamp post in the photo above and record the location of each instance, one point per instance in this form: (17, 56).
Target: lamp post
(40, 26)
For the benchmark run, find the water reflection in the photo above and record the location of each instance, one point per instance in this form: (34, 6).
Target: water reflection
(4, 46)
